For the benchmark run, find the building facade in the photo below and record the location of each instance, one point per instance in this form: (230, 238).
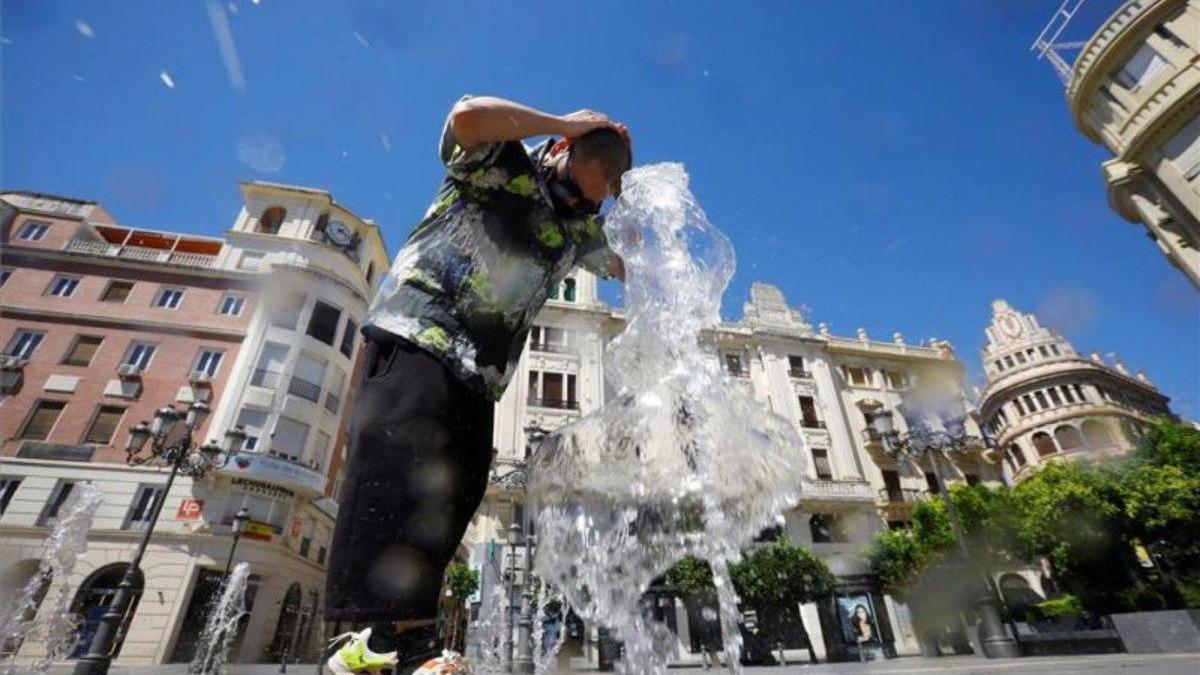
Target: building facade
(825, 384)
(1045, 402)
(1135, 88)
(104, 324)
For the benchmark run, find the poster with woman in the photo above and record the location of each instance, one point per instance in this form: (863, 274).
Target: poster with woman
(860, 630)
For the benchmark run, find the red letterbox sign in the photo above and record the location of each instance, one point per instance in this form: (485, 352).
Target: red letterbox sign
(189, 509)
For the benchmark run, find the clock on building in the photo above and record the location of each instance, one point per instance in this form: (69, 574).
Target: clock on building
(1010, 325)
(339, 233)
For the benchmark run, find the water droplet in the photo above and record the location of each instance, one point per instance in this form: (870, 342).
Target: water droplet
(261, 151)
(84, 29)
(361, 40)
(166, 79)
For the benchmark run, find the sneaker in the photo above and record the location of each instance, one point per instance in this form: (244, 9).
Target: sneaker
(355, 656)
(449, 663)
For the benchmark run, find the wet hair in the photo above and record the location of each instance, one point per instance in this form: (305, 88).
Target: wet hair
(608, 147)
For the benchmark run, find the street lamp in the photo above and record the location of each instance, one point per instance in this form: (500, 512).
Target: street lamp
(525, 625)
(935, 428)
(514, 537)
(170, 445)
(239, 526)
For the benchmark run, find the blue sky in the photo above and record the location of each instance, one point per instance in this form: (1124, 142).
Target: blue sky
(892, 165)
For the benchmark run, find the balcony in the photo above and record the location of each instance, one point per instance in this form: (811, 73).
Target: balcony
(268, 379)
(280, 469)
(737, 372)
(550, 348)
(812, 424)
(558, 404)
(140, 254)
(891, 496)
(304, 389)
(799, 374)
(821, 490)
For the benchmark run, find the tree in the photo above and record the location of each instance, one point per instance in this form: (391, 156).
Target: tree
(461, 582)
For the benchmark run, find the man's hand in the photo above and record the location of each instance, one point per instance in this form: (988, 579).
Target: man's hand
(487, 119)
(580, 122)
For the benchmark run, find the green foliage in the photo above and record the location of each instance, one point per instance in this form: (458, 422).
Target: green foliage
(1061, 606)
(1171, 444)
(461, 581)
(897, 557)
(691, 576)
(781, 573)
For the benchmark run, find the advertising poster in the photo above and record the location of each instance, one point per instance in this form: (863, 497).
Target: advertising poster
(860, 629)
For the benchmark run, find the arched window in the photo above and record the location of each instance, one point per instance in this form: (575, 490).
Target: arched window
(92, 601)
(1068, 437)
(1044, 444)
(285, 626)
(271, 219)
(1017, 454)
(1096, 434)
(569, 290)
(1017, 592)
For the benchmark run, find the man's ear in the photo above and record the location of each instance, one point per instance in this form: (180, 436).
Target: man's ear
(561, 145)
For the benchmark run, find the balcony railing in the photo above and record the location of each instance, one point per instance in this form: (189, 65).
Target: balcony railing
(333, 402)
(304, 389)
(140, 254)
(869, 435)
(553, 403)
(549, 348)
(738, 372)
(263, 377)
(799, 373)
(812, 424)
(836, 490)
(901, 495)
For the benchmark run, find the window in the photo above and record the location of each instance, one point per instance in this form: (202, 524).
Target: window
(139, 354)
(370, 273)
(320, 453)
(857, 376)
(231, 305)
(208, 362)
(1017, 404)
(82, 352)
(253, 422)
(1068, 437)
(263, 508)
(931, 482)
(104, 424)
(321, 550)
(117, 291)
(271, 219)
(1008, 361)
(1095, 433)
(1017, 454)
(1054, 350)
(1029, 403)
(1041, 399)
(289, 438)
(821, 463)
(348, 336)
(891, 483)
(307, 378)
(305, 544)
(999, 365)
(1079, 393)
(569, 290)
(826, 528)
(796, 366)
(58, 497)
(41, 421)
(323, 323)
(63, 286)
(808, 413)
(5, 273)
(23, 344)
(34, 230)
(8, 488)
(142, 507)
(1020, 357)
(1043, 351)
(896, 379)
(733, 364)
(169, 298)
(270, 366)
(1043, 444)
(333, 397)
(1052, 392)
(1143, 68)
(971, 478)
(1066, 392)
(1183, 150)
(251, 261)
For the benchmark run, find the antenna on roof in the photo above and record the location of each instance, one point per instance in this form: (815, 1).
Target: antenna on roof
(1047, 45)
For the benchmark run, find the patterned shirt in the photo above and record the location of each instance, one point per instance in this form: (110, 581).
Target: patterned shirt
(474, 273)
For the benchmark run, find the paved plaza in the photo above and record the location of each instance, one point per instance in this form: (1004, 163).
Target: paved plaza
(1131, 664)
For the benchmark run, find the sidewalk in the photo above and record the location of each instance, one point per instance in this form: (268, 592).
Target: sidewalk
(1126, 664)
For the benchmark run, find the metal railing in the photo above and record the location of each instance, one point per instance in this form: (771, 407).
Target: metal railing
(304, 389)
(553, 403)
(737, 373)
(140, 253)
(549, 347)
(799, 373)
(263, 377)
(812, 424)
(901, 495)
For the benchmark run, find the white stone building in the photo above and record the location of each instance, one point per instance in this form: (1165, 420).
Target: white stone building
(1045, 402)
(822, 382)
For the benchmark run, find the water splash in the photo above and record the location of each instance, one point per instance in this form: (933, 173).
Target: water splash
(544, 654)
(221, 627)
(53, 625)
(682, 461)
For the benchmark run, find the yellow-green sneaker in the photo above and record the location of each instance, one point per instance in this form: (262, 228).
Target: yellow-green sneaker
(355, 656)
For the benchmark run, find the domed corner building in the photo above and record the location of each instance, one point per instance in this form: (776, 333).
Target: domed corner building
(1044, 402)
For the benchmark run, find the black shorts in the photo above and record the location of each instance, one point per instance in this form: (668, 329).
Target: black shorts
(419, 451)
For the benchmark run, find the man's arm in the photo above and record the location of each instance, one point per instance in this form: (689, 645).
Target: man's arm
(487, 119)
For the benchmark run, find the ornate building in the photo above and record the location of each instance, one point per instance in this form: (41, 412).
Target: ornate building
(826, 384)
(1135, 88)
(106, 323)
(1044, 401)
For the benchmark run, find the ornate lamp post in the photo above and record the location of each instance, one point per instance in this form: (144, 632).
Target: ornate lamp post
(933, 432)
(514, 538)
(239, 526)
(171, 445)
(524, 662)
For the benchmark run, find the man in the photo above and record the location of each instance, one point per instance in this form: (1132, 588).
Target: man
(443, 337)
